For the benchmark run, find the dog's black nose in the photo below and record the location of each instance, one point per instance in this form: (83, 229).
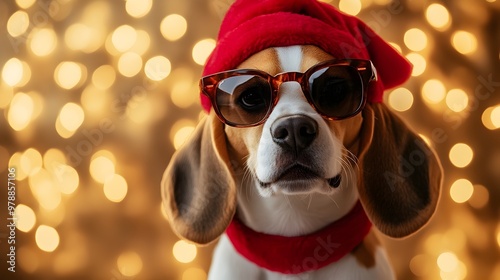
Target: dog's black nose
(294, 132)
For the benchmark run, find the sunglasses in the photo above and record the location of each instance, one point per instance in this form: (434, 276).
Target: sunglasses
(336, 89)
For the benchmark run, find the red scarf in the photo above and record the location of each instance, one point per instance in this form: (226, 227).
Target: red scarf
(298, 254)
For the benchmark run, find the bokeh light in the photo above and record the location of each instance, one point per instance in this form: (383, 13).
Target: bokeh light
(115, 188)
(173, 27)
(26, 218)
(102, 168)
(124, 37)
(184, 252)
(18, 23)
(129, 264)
(47, 238)
(129, 64)
(104, 77)
(419, 63)
(433, 91)
(351, 7)
(401, 99)
(461, 190)
(202, 50)
(457, 100)
(69, 74)
(138, 8)
(43, 41)
(464, 42)
(14, 71)
(157, 68)
(461, 155)
(70, 118)
(182, 135)
(25, 4)
(438, 16)
(194, 273)
(31, 161)
(415, 39)
(495, 117)
(20, 111)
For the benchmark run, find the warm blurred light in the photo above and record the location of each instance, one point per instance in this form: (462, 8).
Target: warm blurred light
(184, 252)
(78, 36)
(95, 101)
(433, 91)
(486, 118)
(173, 27)
(101, 168)
(6, 95)
(157, 68)
(44, 189)
(4, 154)
(202, 50)
(138, 8)
(142, 43)
(47, 238)
(401, 99)
(15, 161)
(457, 100)
(415, 39)
(43, 41)
(194, 273)
(461, 155)
(18, 23)
(70, 118)
(183, 93)
(447, 262)
(13, 72)
(419, 63)
(104, 77)
(20, 111)
(53, 158)
(396, 46)
(178, 125)
(495, 117)
(129, 264)
(31, 161)
(461, 190)
(421, 265)
(139, 110)
(26, 218)
(351, 7)
(115, 188)
(124, 38)
(70, 74)
(438, 16)
(182, 135)
(480, 197)
(67, 178)
(129, 64)
(25, 4)
(498, 235)
(464, 42)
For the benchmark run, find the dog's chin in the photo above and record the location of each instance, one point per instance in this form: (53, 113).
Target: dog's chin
(299, 186)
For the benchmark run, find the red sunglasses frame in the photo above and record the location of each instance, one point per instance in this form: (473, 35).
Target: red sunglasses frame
(365, 69)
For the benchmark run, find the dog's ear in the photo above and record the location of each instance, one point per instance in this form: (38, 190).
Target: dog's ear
(198, 189)
(400, 175)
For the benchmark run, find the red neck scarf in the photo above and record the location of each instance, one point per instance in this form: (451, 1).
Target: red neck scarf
(298, 254)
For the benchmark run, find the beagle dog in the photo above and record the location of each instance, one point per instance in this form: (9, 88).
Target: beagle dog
(287, 166)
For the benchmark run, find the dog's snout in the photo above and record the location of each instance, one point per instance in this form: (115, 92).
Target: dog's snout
(294, 132)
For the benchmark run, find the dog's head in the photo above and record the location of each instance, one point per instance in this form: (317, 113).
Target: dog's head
(297, 121)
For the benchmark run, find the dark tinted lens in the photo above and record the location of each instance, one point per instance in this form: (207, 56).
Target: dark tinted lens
(243, 99)
(336, 91)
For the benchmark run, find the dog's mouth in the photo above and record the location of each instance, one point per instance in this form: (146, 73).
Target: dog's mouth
(298, 173)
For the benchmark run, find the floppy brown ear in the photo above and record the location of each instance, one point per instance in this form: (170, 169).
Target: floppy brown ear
(400, 175)
(198, 189)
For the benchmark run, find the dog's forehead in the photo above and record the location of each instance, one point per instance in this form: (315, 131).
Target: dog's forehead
(285, 59)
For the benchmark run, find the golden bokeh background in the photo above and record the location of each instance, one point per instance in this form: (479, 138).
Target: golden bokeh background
(95, 96)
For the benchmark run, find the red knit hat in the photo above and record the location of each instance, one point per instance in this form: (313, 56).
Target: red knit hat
(254, 25)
